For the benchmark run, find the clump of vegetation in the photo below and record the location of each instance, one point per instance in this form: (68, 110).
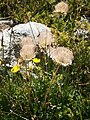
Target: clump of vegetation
(47, 90)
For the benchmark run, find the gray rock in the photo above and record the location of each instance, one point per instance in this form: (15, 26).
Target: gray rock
(11, 38)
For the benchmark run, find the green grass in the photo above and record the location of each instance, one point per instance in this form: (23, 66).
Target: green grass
(64, 95)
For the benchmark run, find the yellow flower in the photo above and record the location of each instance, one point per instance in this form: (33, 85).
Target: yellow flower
(15, 69)
(36, 60)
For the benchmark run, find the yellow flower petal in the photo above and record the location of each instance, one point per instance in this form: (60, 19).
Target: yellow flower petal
(15, 69)
(36, 60)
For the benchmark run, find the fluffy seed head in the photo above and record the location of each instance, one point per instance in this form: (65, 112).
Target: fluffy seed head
(61, 55)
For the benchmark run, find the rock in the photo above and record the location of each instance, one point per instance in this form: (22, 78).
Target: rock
(12, 37)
